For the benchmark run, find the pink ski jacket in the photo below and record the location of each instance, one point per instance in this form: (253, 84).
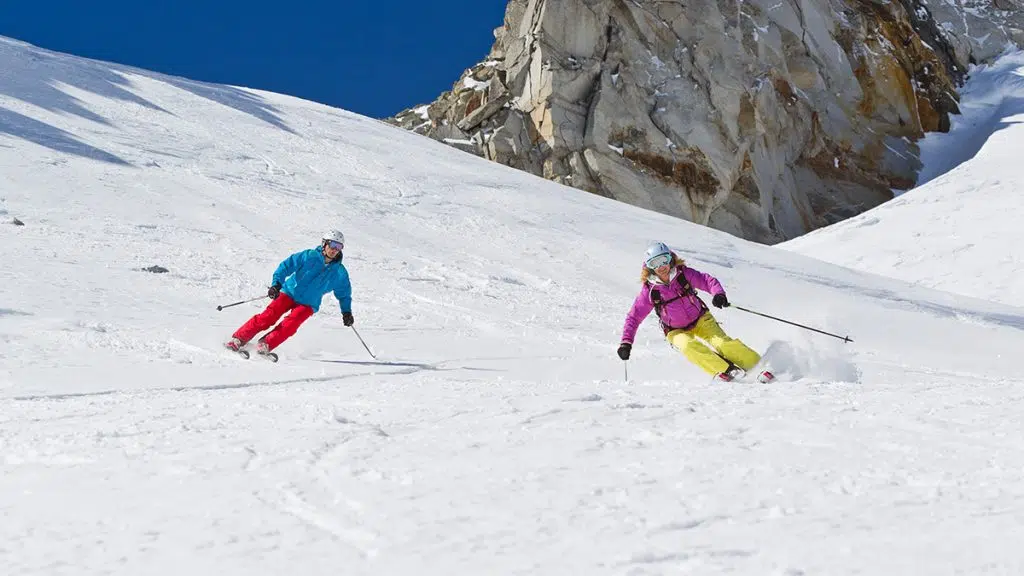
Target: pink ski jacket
(682, 307)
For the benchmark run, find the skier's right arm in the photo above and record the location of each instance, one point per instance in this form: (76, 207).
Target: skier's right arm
(286, 268)
(642, 306)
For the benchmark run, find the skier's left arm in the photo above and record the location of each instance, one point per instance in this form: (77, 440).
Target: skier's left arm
(703, 281)
(343, 292)
(708, 283)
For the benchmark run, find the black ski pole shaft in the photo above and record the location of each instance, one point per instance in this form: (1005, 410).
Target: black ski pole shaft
(219, 308)
(843, 338)
(363, 343)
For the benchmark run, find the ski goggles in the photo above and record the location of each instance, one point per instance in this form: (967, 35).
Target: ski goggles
(659, 261)
(335, 244)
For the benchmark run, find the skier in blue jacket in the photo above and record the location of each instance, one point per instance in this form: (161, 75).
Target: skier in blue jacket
(299, 285)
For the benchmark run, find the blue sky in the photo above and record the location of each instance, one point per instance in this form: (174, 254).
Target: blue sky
(374, 58)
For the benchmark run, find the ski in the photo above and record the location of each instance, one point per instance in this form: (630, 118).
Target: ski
(240, 352)
(737, 374)
(271, 356)
(244, 353)
(268, 355)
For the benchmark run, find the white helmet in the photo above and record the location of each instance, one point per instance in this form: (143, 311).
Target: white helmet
(334, 235)
(651, 256)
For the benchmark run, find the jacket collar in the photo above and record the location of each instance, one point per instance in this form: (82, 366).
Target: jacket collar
(672, 274)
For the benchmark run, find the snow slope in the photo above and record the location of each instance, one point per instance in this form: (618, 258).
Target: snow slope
(959, 229)
(495, 433)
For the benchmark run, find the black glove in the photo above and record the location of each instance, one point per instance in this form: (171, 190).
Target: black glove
(624, 349)
(720, 301)
(274, 291)
(347, 318)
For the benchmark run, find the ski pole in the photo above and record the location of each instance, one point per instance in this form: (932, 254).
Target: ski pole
(843, 338)
(364, 343)
(625, 367)
(219, 308)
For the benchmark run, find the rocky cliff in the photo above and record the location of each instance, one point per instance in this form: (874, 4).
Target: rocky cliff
(763, 118)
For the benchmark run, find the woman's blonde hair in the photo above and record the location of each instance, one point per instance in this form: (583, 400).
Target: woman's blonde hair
(645, 274)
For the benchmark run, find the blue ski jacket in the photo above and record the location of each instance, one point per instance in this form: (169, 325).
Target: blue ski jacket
(306, 279)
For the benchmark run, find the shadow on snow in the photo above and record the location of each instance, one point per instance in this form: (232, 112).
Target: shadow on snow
(48, 81)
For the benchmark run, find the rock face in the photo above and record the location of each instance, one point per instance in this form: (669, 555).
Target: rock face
(763, 118)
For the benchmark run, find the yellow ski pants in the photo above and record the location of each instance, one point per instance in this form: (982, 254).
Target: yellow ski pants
(716, 346)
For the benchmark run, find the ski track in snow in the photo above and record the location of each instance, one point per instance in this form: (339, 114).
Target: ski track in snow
(496, 432)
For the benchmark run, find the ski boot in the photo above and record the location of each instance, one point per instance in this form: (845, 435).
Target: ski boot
(730, 374)
(235, 345)
(263, 350)
(765, 377)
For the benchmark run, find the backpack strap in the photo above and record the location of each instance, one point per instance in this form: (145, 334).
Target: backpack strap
(658, 305)
(687, 292)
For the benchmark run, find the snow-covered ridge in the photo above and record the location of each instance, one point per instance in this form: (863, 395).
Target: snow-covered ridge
(495, 433)
(959, 229)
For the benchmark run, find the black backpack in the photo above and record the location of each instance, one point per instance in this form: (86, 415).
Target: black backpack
(659, 304)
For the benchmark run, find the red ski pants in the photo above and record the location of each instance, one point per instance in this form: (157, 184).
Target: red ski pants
(277, 308)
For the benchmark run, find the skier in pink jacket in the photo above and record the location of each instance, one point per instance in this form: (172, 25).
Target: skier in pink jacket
(667, 286)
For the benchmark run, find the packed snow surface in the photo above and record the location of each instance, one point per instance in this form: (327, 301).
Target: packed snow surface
(496, 432)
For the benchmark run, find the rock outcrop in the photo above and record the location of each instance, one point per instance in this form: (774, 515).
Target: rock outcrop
(763, 118)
